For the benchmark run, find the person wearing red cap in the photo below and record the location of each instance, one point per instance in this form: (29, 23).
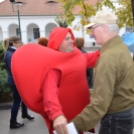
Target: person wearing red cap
(61, 108)
(58, 84)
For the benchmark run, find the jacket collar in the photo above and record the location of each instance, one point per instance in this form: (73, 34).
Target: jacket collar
(112, 42)
(13, 47)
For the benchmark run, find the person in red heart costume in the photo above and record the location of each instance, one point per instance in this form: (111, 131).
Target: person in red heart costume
(52, 80)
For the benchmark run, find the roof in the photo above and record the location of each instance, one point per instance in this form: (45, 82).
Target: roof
(36, 7)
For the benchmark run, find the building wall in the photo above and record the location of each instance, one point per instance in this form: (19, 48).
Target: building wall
(9, 24)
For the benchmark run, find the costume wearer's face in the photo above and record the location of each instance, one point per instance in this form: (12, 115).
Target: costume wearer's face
(67, 45)
(97, 33)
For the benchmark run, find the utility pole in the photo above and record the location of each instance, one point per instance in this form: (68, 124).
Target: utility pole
(18, 4)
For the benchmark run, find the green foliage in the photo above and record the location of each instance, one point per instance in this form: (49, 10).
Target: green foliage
(106, 3)
(123, 10)
(124, 13)
(85, 12)
(62, 22)
(2, 64)
(4, 88)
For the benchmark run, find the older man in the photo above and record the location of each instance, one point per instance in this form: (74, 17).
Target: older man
(113, 95)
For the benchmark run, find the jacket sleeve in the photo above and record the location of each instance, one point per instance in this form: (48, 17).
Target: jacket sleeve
(8, 62)
(103, 91)
(92, 59)
(51, 102)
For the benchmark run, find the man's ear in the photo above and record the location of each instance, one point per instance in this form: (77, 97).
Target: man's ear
(105, 29)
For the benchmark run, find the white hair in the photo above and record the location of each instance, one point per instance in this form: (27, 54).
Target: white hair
(113, 27)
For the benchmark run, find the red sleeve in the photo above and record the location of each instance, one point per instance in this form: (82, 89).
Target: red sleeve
(51, 102)
(92, 59)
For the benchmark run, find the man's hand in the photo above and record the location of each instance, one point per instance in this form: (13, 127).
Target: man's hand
(59, 125)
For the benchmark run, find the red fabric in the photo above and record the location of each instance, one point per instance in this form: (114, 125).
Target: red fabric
(51, 102)
(57, 35)
(91, 58)
(30, 65)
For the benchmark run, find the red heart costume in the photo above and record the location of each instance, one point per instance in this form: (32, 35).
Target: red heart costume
(30, 64)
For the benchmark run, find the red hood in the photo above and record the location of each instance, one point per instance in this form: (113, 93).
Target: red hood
(57, 35)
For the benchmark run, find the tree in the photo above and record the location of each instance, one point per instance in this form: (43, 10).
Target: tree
(61, 20)
(123, 10)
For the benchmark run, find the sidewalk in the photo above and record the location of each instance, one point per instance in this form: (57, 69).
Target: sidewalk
(36, 126)
(6, 105)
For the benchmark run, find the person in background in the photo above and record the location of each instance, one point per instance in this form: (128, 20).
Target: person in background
(80, 44)
(43, 41)
(10, 45)
(113, 96)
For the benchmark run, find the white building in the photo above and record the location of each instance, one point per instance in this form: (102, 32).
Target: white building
(36, 20)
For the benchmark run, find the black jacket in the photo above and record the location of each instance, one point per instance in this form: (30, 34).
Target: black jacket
(7, 59)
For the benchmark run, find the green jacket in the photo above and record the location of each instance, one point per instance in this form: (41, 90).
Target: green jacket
(113, 85)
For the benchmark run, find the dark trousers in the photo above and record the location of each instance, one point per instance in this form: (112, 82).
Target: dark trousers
(16, 104)
(118, 123)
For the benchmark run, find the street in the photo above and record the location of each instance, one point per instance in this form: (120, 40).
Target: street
(36, 126)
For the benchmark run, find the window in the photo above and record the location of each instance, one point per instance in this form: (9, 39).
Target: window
(129, 29)
(36, 33)
(51, 2)
(17, 32)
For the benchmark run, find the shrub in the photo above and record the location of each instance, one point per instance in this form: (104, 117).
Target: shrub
(5, 93)
(61, 20)
(4, 88)
(2, 64)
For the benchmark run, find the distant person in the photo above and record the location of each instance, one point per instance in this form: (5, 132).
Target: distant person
(43, 41)
(80, 44)
(113, 96)
(10, 45)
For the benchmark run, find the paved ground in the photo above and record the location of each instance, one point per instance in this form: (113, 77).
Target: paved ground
(31, 127)
(37, 126)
